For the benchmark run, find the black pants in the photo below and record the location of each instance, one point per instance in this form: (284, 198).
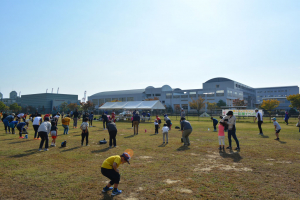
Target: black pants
(112, 138)
(156, 128)
(259, 126)
(44, 137)
(20, 132)
(215, 126)
(36, 127)
(6, 128)
(85, 135)
(168, 122)
(286, 121)
(232, 133)
(104, 123)
(112, 175)
(90, 122)
(12, 130)
(132, 124)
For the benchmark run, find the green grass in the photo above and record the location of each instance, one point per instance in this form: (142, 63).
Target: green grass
(263, 169)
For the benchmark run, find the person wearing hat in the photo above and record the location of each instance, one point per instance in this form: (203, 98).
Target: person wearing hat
(277, 128)
(110, 170)
(186, 130)
(135, 122)
(43, 131)
(232, 130)
(259, 118)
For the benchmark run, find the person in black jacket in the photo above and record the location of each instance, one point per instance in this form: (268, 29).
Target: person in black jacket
(105, 120)
(136, 121)
(112, 130)
(75, 118)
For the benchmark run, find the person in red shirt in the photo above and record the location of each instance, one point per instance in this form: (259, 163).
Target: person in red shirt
(158, 121)
(113, 116)
(47, 115)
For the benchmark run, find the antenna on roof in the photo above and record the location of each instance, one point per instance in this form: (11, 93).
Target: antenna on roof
(46, 90)
(52, 90)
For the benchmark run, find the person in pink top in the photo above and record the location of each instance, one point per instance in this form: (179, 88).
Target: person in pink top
(221, 134)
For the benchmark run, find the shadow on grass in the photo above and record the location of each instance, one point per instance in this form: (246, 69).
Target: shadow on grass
(235, 156)
(101, 150)
(107, 196)
(28, 153)
(21, 141)
(153, 134)
(282, 142)
(130, 136)
(69, 149)
(183, 148)
(7, 139)
(162, 145)
(77, 135)
(264, 136)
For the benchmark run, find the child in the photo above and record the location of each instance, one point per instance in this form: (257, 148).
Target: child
(277, 128)
(12, 125)
(221, 135)
(53, 132)
(85, 132)
(165, 130)
(156, 126)
(21, 128)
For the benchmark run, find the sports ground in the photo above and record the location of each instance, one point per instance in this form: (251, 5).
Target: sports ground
(262, 169)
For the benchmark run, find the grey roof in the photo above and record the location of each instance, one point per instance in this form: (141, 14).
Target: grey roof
(120, 92)
(218, 79)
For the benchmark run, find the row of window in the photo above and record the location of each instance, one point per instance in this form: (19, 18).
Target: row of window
(101, 101)
(271, 91)
(271, 96)
(150, 95)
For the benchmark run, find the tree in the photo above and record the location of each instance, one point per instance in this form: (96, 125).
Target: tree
(238, 102)
(15, 107)
(211, 106)
(64, 107)
(295, 101)
(2, 106)
(87, 106)
(269, 105)
(221, 103)
(197, 104)
(72, 106)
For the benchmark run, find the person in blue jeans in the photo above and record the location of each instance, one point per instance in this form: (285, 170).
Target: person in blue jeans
(232, 130)
(215, 122)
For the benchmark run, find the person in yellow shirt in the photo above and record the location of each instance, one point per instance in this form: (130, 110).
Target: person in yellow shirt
(110, 170)
(65, 123)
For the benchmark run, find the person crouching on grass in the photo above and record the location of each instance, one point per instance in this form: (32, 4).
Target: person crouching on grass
(85, 131)
(110, 170)
(277, 128)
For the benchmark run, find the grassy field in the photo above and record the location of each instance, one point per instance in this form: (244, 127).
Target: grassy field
(263, 169)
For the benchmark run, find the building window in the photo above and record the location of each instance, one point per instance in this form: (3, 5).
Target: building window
(130, 99)
(157, 95)
(168, 95)
(211, 94)
(101, 101)
(122, 99)
(184, 96)
(163, 101)
(108, 100)
(220, 93)
(148, 95)
(176, 96)
(95, 101)
(185, 106)
(217, 86)
(193, 94)
(201, 95)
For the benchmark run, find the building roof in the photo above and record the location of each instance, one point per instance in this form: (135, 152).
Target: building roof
(218, 79)
(120, 92)
(131, 105)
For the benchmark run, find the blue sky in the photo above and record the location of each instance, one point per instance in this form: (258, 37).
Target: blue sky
(117, 45)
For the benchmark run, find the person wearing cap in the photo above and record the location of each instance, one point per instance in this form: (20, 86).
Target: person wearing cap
(135, 122)
(277, 128)
(232, 130)
(43, 131)
(186, 130)
(259, 118)
(110, 170)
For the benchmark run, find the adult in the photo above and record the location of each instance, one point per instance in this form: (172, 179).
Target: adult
(43, 131)
(168, 121)
(110, 170)
(158, 120)
(91, 117)
(7, 120)
(112, 131)
(259, 118)
(182, 113)
(215, 123)
(148, 115)
(186, 130)
(104, 120)
(75, 118)
(286, 118)
(85, 115)
(36, 124)
(65, 123)
(136, 121)
(20, 116)
(232, 130)
(21, 128)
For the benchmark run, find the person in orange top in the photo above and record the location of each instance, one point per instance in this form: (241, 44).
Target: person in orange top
(65, 123)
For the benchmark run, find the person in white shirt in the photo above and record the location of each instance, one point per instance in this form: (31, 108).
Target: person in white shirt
(277, 128)
(44, 131)
(259, 118)
(165, 131)
(36, 124)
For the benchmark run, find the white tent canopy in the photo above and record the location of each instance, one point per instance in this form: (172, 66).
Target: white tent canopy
(133, 105)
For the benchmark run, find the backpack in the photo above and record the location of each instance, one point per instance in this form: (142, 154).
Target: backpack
(64, 144)
(177, 127)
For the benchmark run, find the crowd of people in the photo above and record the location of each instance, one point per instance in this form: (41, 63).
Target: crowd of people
(47, 126)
